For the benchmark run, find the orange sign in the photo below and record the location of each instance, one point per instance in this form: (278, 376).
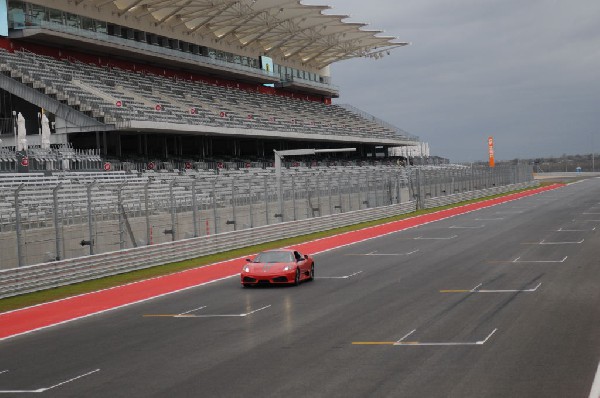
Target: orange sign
(491, 150)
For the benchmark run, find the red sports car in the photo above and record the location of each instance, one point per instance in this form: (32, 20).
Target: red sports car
(277, 267)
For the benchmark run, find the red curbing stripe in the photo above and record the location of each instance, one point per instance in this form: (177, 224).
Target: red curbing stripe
(26, 320)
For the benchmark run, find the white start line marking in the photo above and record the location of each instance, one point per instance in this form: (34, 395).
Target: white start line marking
(40, 390)
(543, 242)
(188, 314)
(401, 342)
(477, 290)
(339, 277)
(518, 260)
(374, 253)
(446, 238)
(575, 230)
(466, 227)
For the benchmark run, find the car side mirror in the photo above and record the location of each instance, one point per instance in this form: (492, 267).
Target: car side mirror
(306, 256)
(248, 259)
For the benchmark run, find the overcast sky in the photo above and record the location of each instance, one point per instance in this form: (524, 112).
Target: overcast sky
(524, 71)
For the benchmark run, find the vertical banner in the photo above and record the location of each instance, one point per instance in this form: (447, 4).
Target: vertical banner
(491, 150)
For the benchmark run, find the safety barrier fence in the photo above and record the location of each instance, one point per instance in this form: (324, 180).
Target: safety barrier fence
(58, 273)
(451, 199)
(68, 215)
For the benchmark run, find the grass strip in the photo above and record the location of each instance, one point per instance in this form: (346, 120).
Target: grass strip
(29, 299)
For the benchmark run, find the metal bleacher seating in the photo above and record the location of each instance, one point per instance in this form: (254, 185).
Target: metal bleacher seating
(113, 95)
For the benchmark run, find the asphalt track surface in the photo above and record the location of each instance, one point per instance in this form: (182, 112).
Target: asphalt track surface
(499, 302)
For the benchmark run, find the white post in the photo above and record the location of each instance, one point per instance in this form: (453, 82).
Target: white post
(279, 185)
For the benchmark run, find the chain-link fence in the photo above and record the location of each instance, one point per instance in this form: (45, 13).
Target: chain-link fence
(44, 219)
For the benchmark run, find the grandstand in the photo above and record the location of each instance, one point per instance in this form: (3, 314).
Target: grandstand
(183, 103)
(193, 81)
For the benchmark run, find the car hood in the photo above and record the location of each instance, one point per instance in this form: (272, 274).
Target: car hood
(267, 267)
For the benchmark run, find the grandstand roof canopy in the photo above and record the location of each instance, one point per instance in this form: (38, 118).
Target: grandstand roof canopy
(279, 28)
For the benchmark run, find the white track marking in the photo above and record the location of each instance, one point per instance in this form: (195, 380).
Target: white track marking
(475, 288)
(447, 238)
(40, 390)
(466, 227)
(508, 291)
(3, 371)
(222, 315)
(70, 380)
(488, 337)
(252, 312)
(195, 309)
(385, 254)
(339, 277)
(406, 335)
(418, 343)
(595, 391)
(412, 252)
(518, 260)
(575, 230)
(543, 242)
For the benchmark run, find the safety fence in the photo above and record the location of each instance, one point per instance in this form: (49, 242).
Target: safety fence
(58, 273)
(69, 215)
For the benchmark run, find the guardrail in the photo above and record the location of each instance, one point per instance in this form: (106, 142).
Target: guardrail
(59, 273)
(459, 197)
(566, 174)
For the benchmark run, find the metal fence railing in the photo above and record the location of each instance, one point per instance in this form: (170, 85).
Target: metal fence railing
(56, 218)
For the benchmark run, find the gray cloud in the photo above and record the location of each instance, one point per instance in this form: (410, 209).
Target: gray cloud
(526, 72)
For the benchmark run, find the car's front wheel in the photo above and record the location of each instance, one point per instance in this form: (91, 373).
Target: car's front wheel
(312, 273)
(297, 277)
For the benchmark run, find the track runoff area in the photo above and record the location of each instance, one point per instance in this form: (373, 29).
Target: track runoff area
(496, 299)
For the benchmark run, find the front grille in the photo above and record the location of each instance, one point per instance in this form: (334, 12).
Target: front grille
(248, 279)
(280, 279)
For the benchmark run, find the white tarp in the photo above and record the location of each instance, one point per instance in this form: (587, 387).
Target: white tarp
(21, 133)
(45, 132)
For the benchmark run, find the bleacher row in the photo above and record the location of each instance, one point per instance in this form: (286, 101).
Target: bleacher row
(112, 95)
(36, 199)
(60, 157)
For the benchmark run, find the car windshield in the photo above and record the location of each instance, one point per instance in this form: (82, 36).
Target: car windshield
(274, 257)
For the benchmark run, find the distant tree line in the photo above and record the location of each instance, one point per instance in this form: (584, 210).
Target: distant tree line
(568, 163)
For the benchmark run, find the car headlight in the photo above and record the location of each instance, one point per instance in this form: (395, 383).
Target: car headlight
(247, 268)
(288, 267)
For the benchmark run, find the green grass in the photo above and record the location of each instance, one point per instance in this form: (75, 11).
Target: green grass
(25, 300)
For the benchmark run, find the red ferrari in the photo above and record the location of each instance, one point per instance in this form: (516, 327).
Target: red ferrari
(278, 267)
